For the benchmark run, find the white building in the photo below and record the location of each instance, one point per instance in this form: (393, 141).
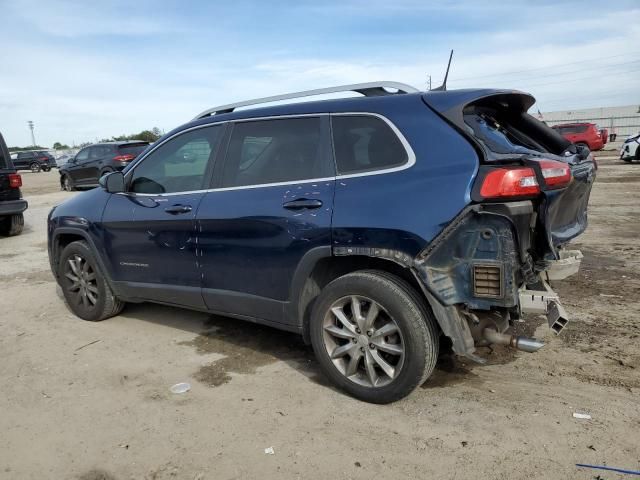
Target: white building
(623, 121)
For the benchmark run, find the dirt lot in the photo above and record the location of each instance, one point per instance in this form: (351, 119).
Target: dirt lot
(104, 411)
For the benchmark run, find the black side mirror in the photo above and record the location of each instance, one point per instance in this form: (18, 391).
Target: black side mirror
(112, 182)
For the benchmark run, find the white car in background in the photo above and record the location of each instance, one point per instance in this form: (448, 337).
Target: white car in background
(631, 148)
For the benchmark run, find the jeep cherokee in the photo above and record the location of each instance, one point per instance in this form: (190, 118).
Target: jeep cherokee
(371, 226)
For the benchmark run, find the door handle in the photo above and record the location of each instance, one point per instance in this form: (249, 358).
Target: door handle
(178, 209)
(300, 203)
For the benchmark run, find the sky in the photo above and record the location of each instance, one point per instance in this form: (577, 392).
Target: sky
(86, 70)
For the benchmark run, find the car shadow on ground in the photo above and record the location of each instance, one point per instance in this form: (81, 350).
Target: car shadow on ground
(245, 346)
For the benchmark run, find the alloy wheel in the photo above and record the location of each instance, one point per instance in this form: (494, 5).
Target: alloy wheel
(363, 341)
(81, 281)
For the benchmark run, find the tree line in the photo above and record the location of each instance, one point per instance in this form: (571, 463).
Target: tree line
(145, 136)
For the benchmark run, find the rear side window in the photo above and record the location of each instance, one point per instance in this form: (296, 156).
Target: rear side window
(364, 143)
(3, 161)
(99, 151)
(135, 149)
(274, 151)
(178, 165)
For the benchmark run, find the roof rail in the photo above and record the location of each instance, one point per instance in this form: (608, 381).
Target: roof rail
(371, 89)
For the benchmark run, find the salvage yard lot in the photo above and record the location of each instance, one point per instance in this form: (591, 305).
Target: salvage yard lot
(70, 408)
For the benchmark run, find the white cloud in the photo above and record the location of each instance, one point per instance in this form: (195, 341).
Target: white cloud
(75, 88)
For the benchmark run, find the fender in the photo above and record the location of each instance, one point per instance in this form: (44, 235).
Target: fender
(81, 232)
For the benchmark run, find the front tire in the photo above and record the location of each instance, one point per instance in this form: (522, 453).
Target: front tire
(34, 167)
(12, 225)
(84, 286)
(373, 336)
(67, 183)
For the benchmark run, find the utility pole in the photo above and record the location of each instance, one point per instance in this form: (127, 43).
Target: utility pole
(33, 137)
(429, 82)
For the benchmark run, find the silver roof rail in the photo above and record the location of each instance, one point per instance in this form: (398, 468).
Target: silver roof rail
(371, 89)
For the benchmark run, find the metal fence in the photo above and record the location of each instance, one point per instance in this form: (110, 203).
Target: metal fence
(622, 127)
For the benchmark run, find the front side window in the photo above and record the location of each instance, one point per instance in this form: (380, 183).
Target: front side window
(178, 165)
(274, 151)
(365, 143)
(83, 156)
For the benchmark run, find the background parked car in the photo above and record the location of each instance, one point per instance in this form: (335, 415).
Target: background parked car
(11, 203)
(630, 149)
(34, 160)
(583, 134)
(63, 159)
(92, 162)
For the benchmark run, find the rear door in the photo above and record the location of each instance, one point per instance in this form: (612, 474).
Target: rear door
(271, 207)
(151, 229)
(23, 160)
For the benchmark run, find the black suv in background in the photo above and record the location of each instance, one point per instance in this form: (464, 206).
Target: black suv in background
(35, 161)
(11, 203)
(94, 161)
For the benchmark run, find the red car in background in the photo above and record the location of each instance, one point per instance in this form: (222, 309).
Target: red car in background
(583, 133)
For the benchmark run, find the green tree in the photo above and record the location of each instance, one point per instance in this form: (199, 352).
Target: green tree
(60, 146)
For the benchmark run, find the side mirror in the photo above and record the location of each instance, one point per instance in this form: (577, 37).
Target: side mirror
(112, 182)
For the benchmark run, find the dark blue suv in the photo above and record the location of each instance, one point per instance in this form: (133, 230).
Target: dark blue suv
(379, 228)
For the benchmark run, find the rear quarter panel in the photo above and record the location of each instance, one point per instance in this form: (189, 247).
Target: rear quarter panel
(405, 210)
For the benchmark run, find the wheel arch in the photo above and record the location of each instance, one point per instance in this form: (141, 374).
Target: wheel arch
(62, 237)
(325, 269)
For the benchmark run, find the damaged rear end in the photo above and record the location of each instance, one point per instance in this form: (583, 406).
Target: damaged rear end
(494, 262)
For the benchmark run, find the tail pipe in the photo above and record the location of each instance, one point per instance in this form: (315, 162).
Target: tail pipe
(525, 344)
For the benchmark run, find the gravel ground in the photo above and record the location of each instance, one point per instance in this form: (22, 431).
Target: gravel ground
(91, 400)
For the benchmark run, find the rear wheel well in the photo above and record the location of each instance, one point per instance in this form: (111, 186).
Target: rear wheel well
(328, 269)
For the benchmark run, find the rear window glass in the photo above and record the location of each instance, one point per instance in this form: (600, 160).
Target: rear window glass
(499, 133)
(572, 129)
(364, 143)
(135, 149)
(3, 161)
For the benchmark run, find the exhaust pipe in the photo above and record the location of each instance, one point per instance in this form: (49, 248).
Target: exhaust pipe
(525, 344)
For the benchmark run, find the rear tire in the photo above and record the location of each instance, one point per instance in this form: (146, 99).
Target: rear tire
(377, 357)
(84, 286)
(12, 225)
(34, 167)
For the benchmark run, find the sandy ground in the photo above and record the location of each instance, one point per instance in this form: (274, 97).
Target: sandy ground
(104, 410)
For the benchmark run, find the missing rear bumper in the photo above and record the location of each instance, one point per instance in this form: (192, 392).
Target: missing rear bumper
(545, 302)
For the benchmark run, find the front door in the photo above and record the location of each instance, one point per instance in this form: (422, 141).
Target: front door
(272, 205)
(151, 230)
(76, 167)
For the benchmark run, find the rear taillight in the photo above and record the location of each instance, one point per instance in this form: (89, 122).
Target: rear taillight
(556, 174)
(15, 180)
(123, 158)
(510, 182)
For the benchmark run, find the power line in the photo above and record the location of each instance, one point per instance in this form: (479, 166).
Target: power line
(573, 80)
(513, 72)
(600, 68)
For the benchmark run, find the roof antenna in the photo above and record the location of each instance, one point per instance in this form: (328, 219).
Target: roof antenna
(443, 87)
